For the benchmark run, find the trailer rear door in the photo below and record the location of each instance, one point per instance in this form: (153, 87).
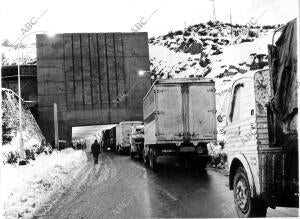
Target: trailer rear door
(169, 112)
(202, 111)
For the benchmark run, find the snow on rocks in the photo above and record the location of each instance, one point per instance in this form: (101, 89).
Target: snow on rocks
(24, 189)
(202, 49)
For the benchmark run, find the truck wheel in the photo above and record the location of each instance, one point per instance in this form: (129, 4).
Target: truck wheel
(140, 152)
(140, 156)
(152, 160)
(131, 155)
(244, 204)
(145, 159)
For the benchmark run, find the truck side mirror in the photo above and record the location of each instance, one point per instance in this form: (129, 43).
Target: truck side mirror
(220, 118)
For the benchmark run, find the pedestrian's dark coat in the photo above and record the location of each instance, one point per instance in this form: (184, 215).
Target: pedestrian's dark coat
(95, 148)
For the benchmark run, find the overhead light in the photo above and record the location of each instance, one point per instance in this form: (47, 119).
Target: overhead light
(50, 34)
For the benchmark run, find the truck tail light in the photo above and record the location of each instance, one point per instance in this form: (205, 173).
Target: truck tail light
(199, 150)
(202, 149)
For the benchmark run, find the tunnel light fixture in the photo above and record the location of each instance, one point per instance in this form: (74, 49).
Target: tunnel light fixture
(141, 73)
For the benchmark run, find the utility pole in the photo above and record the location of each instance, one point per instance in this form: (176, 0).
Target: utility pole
(22, 155)
(231, 25)
(55, 127)
(184, 29)
(213, 10)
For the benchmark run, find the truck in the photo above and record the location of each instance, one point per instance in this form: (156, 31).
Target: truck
(261, 132)
(180, 120)
(105, 139)
(112, 139)
(109, 139)
(137, 141)
(123, 130)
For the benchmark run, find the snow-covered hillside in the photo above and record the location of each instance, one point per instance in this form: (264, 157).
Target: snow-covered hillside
(214, 50)
(32, 135)
(25, 189)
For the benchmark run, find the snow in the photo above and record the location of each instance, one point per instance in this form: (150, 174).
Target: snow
(239, 53)
(32, 135)
(26, 188)
(12, 55)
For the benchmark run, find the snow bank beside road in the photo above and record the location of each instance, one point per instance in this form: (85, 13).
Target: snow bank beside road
(26, 188)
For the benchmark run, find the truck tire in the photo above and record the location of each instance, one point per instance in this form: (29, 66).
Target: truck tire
(140, 156)
(131, 155)
(244, 204)
(145, 159)
(152, 160)
(140, 152)
(119, 150)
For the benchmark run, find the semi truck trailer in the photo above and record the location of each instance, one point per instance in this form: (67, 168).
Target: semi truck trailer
(179, 121)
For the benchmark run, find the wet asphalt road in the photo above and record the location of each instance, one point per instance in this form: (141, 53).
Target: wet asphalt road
(121, 188)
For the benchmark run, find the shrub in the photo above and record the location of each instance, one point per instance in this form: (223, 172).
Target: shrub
(6, 133)
(12, 157)
(29, 154)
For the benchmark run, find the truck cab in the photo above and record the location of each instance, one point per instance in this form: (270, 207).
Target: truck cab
(261, 132)
(123, 130)
(137, 141)
(261, 175)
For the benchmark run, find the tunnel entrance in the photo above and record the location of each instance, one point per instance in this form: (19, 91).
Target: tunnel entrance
(84, 136)
(93, 78)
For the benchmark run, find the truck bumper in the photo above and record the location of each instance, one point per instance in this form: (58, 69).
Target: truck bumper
(137, 147)
(174, 157)
(125, 148)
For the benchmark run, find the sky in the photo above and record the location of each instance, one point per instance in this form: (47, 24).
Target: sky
(64, 16)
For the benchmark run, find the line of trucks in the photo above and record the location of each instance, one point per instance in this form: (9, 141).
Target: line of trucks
(179, 120)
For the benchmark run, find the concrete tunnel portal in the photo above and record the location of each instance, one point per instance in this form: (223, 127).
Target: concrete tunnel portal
(93, 78)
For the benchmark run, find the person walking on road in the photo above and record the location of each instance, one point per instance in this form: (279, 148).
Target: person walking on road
(95, 151)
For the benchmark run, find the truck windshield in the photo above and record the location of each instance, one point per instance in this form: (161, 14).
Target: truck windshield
(139, 131)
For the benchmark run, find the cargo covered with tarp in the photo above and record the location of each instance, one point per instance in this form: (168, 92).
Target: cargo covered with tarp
(283, 107)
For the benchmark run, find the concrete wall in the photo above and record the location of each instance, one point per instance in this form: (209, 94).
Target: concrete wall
(84, 74)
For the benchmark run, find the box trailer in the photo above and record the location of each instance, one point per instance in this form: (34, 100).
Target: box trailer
(112, 139)
(179, 119)
(123, 130)
(109, 139)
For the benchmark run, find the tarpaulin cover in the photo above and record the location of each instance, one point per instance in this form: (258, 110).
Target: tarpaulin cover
(284, 80)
